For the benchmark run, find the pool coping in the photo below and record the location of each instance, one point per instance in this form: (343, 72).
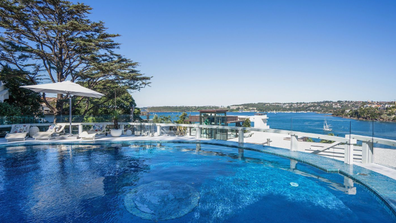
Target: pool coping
(382, 186)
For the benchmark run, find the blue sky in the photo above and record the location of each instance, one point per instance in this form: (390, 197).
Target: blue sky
(223, 52)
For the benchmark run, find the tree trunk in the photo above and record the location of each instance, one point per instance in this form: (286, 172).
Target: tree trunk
(58, 108)
(116, 123)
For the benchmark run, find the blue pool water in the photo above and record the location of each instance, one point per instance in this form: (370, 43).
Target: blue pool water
(173, 182)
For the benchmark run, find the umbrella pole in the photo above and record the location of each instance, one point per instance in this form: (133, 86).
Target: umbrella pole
(70, 115)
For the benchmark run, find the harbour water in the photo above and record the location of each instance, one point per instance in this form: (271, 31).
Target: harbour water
(313, 123)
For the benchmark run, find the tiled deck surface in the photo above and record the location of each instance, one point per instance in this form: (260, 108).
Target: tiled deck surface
(368, 174)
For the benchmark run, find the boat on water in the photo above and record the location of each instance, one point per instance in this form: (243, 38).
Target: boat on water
(326, 127)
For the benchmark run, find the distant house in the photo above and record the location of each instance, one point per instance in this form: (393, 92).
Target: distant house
(46, 110)
(235, 107)
(3, 92)
(214, 117)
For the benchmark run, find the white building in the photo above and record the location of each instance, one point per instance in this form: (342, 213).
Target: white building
(259, 120)
(3, 92)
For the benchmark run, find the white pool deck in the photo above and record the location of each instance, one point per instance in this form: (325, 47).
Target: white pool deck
(277, 140)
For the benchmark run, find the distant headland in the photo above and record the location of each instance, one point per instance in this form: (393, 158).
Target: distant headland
(362, 110)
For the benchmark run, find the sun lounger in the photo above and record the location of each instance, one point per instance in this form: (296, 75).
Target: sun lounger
(86, 135)
(99, 129)
(16, 137)
(52, 130)
(18, 132)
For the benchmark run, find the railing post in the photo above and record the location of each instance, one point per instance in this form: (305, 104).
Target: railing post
(293, 143)
(241, 153)
(349, 151)
(198, 132)
(240, 135)
(80, 129)
(188, 131)
(367, 152)
(158, 130)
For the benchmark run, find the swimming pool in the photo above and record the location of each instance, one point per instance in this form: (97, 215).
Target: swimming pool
(174, 182)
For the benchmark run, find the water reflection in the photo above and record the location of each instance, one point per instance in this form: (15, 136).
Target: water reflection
(347, 187)
(293, 164)
(16, 149)
(241, 153)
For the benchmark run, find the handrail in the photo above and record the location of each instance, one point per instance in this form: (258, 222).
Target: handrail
(280, 131)
(382, 141)
(326, 148)
(345, 139)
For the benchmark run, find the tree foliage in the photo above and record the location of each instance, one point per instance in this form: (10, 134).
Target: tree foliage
(182, 119)
(246, 123)
(7, 109)
(54, 40)
(27, 101)
(162, 119)
(117, 97)
(370, 113)
(156, 119)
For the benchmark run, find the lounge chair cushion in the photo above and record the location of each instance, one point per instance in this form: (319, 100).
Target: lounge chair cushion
(20, 128)
(97, 128)
(43, 135)
(55, 128)
(52, 128)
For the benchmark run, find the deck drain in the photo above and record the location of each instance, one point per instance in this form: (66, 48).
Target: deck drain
(161, 200)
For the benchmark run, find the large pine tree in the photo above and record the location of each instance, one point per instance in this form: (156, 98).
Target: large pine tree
(54, 40)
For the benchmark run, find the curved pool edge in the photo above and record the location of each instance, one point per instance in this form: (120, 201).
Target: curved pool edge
(381, 186)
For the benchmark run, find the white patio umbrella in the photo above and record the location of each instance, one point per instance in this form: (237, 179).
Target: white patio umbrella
(65, 87)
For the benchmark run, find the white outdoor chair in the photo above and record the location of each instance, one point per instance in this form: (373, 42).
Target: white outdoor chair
(59, 129)
(18, 132)
(52, 130)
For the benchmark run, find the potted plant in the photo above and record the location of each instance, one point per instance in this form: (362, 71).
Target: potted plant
(116, 131)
